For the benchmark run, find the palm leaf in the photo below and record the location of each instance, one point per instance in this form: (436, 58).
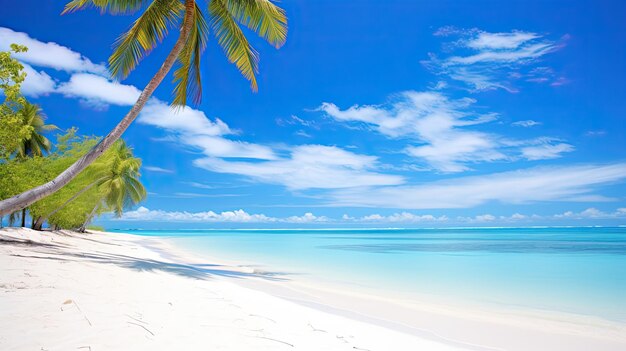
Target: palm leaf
(230, 37)
(187, 76)
(144, 35)
(263, 17)
(111, 6)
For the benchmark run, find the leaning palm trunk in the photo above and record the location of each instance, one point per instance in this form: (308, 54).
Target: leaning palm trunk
(26, 198)
(83, 227)
(40, 221)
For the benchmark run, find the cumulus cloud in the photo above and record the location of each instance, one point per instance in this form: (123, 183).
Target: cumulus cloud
(237, 216)
(488, 61)
(98, 90)
(48, 54)
(402, 217)
(37, 83)
(591, 213)
(567, 183)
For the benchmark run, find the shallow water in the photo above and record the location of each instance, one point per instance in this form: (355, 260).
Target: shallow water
(575, 270)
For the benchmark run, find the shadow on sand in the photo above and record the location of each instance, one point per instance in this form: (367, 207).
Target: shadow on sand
(193, 270)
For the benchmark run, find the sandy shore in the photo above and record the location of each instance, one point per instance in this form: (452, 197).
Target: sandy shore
(105, 291)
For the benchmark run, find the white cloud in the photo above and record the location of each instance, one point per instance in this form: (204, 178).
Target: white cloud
(48, 54)
(241, 216)
(526, 123)
(434, 121)
(306, 218)
(568, 183)
(439, 134)
(157, 169)
(484, 218)
(237, 216)
(595, 133)
(591, 213)
(495, 60)
(192, 128)
(507, 56)
(37, 82)
(99, 90)
(518, 216)
(510, 40)
(546, 150)
(402, 217)
(309, 166)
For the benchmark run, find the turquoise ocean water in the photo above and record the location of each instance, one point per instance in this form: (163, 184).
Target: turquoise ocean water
(573, 270)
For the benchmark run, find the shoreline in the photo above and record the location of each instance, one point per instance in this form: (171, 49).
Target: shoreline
(305, 314)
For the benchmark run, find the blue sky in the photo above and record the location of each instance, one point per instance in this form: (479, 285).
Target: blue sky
(395, 113)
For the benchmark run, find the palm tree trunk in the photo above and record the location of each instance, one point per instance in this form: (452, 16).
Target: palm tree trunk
(23, 217)
(42, 219)
(28, 197)
(83, 227)
(37, 223)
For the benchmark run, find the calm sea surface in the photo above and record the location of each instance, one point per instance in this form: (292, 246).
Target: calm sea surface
(576, 270)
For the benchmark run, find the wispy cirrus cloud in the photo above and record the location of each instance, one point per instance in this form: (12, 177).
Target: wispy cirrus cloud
(309, 167)
(487, 61)
(567, 183)
(157, 169)
(545, 150)
(442, 132)
(526, 123)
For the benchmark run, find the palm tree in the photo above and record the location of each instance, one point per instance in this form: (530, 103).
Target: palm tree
(122, 188)
(35, 144)
(225, 18)
(117, 179)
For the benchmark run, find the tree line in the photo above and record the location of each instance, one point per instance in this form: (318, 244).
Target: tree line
(223, 19)
(28, 158)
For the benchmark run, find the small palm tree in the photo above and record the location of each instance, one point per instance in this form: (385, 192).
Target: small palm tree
(117, 179)
(122, 188)
(35, 144)
(225, 19)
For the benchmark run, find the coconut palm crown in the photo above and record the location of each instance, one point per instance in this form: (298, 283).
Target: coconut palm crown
(223, 19)
(35, 144)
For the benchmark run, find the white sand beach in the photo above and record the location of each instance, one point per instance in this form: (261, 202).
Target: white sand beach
(109, 291)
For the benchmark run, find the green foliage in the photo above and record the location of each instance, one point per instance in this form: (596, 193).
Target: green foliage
(225, 18)
(12, 128)
(37, 170)
(35, 143)
(96, 227)
(112, 181)
(120, 184)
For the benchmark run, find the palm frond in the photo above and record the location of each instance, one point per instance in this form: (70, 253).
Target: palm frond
(230, 37)
(263, 17)
(187, 76)
(111, 6)
(144, 35)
